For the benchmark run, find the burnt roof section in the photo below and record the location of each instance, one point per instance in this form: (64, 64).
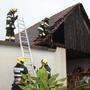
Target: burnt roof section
(33, 32)
(69, 28)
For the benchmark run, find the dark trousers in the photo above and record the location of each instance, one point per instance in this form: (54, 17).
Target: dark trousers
(15, 87)
(10, 32)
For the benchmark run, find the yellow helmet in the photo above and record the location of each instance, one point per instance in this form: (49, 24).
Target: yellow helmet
(21, 60)
(45, 61)
(13, 9)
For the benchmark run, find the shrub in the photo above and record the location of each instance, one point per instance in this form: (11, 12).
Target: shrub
(40, 81)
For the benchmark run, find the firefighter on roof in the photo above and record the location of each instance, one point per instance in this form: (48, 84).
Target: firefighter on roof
(10, 20)
(19, 69)
(43, 28)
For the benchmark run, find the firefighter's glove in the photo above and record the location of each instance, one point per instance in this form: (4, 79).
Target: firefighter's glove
(16, 16)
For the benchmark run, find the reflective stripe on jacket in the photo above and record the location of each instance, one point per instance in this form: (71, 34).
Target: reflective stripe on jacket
(19, 69)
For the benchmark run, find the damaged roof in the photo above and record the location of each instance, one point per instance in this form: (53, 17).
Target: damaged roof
(69, 28)
(59, 17)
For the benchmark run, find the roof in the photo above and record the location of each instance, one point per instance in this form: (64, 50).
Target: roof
(59, 24)
(33, 33)
(63, 31)
(6, 43)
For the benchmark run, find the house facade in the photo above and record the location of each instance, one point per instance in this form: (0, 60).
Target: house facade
(66, 46)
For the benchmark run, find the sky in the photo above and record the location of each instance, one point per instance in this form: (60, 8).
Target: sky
(33, 11)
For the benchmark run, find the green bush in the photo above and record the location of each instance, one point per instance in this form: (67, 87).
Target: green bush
(41, 81)
(82, 85)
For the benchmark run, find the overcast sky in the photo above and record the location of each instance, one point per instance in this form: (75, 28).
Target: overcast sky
(34, 11)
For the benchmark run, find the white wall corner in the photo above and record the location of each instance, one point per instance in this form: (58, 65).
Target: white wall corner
(60, 56)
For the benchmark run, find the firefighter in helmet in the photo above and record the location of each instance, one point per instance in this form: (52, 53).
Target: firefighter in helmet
(44, 63)
(19, 69)
(43, 28)
(10, 20)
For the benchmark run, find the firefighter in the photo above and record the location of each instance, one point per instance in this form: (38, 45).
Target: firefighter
(44, 63)
(43, 28)
(19, 69)
(10, 20)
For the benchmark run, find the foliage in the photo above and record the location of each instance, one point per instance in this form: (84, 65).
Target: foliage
(41, 81)
(82, 85)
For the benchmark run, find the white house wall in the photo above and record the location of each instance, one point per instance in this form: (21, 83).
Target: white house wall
(56, 59)
(8, 55)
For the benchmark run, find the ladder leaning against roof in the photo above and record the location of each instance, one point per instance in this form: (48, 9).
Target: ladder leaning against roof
(25, 46)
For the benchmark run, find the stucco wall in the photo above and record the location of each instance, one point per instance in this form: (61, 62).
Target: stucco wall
(8, 55)
(56, 59)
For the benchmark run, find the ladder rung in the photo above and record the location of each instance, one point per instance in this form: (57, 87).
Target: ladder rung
(28, 58)
(26, 52)
(27, 55)
(24, 41)
(29, 63)
(25, 47)
(22, 32)
(23, 36)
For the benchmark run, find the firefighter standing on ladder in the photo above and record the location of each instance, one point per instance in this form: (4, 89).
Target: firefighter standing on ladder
(10, 19)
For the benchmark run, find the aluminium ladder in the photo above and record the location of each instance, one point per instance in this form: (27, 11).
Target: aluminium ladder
(25, 46)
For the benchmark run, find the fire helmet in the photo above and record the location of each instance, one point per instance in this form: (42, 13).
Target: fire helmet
(21, 60)
(13, 9)
(44, 61)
